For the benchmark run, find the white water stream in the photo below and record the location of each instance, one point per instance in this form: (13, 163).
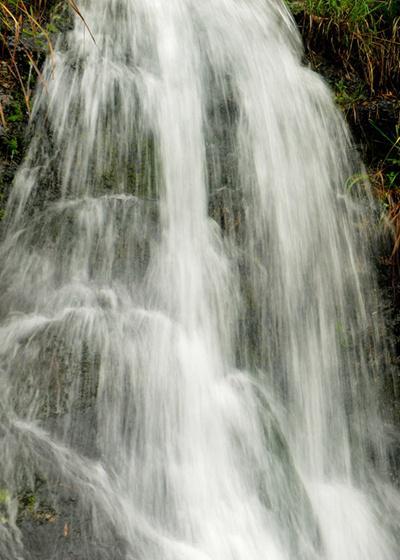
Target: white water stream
(189, 363)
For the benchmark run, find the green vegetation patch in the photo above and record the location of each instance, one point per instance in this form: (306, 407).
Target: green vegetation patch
(360, 12)
(362, 36)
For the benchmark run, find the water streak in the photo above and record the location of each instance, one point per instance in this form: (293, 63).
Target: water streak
(189, 362)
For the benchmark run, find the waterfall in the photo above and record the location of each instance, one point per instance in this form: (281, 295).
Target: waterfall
(190, 351)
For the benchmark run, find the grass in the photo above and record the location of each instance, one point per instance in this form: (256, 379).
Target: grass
(363, 34)
(27, 28)
(25, 35)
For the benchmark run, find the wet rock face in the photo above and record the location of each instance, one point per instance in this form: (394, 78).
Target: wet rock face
(374, 124)
(62, 528)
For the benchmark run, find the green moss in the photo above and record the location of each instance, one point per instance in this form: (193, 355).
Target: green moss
(5, 496)
(343, 336)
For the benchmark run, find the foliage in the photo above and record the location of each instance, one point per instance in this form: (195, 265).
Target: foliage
(348, 96)
(25, 35)
(356, 12)
(364, 35)
(27, 28)
(386, 182)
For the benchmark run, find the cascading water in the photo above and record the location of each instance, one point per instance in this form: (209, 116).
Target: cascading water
(189, 362)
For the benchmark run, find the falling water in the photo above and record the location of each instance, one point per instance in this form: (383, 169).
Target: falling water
(189, 362)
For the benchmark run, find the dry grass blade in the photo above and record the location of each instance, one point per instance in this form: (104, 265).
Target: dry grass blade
(78, 12)
(2, 117)
(8, 12)
(38, 72)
